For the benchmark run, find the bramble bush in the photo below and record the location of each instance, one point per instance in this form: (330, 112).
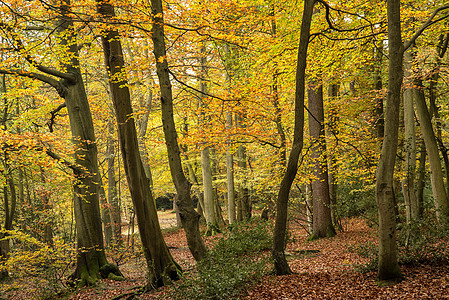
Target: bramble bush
(236, 260)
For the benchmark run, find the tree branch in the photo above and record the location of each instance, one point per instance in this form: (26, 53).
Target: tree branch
(21, 48)
(54, 113)
(430, 21)
(33, 75)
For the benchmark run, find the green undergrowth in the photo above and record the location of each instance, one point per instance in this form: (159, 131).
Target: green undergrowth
(421, 243)
(237, 260)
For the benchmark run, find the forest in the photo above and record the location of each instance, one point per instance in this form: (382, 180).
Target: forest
(224, 149)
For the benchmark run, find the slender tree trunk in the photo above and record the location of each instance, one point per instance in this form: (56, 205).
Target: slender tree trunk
(230, 177)
(108, 226)
(189, 217)
(275, 91)
(113, 199)
(421, 182)
(230, 183)
(379, 122)
(436, 171)
(433, 94)
(161, 266)
(309, 207)
(332, 129)
(206, 170)
(388, 268)
(280, 263)
(322, 219)
(408, 183)
(243, 204)
(4, 243)
(209, 205)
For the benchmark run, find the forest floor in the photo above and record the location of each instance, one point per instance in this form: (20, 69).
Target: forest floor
(326, 272)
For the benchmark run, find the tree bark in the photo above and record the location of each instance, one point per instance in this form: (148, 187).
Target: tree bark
(322, 219)
(332, 130)
(113, 199)
(91, 256)
(230, 187)
(280, 263)
(379, 122)
(230, 183)
(209, 205)
(161, 266)
(243, 200)
(189, 217)
(388, 268)
(408, 182)
(436, 171)
(108, 227)
(421, 181)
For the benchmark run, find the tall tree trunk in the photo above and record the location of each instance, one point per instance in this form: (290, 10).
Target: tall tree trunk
(243, 202)
(332, 130)
(280, 263)
(388, 268)
(433, 94)
(230, 183)
(421, 181)
(379, 122)
(113, 199)
(230, 187)
(209, 205)
(206, 170)
(189, 217)
(322, 219)
(91, 256)
(108, 227)
(161, 266)
(408, 182)
(436, 171)
(275, 91)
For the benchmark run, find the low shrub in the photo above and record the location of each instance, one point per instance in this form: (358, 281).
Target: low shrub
(421, 242)
(44, 267)
(235, 261)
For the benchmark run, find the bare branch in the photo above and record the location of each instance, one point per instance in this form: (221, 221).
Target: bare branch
(54, 113)
(196, 90)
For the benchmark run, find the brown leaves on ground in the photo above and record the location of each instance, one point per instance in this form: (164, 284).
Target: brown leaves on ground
(330, 273)
(324, 269)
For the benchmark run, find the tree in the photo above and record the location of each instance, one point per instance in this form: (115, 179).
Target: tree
(70, 86)
(388, 265)
(436, 171)
(161, 266)
(189, 217)
(388, 268)
(113, 199)
(322, 220)
(408, 182)
(277, 252)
